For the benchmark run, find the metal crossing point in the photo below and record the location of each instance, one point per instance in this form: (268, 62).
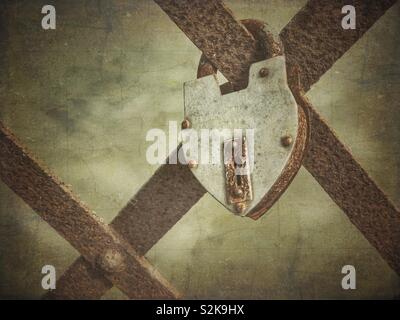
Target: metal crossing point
(113, 254)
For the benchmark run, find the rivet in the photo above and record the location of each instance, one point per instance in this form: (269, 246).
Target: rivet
(264, 72)
(185, 124)
(287, 140)
(240, 207)
(192, 164)
(111, 261)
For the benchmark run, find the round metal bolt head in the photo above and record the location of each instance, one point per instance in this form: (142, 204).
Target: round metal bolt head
(185, 124)
(264, 72)
(240, 207)
(287, 141)
(192, 164)
(112, 261)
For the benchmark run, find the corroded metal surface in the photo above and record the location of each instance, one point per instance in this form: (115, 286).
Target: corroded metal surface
(158, 205)
(154, 210)
(95, 285)
(81, 281)
(238, 189)
(327, 159)
(314, 39)
(367, 207)
(309, 37)
(268, 47)
(175, 190)
(266, 106)
(75, 222)
(213, 29)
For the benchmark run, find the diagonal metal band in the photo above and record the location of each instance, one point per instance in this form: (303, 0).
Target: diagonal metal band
(222, 39)
(77, 224)
(311, 48)
(327, 159)
(367, 207)
(301, 23)
(154, 210)
(314, 39)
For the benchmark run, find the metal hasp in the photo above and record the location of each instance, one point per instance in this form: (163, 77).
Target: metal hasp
(266, 106)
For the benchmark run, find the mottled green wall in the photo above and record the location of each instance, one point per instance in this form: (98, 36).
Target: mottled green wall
(82, 99)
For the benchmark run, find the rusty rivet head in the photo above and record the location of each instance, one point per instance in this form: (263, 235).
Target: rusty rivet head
(193, 164)
(111, 261)
(264, 72)
(287, 140)
(240, 207)
(185, 124)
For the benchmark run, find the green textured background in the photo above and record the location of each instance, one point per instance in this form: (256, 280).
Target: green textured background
(82, 98)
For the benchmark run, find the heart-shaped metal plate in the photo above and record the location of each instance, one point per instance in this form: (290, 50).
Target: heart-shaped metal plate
(266, 106)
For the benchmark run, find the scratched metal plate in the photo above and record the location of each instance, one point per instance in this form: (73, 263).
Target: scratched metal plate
(266, 105)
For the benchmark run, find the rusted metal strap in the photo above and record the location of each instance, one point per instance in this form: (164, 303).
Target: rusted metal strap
(155, 209)
(270, 47)
(158, 206)
(314, 39)
(166, 199)
(81, 281)
(98, 243)
(213, 29)
(367, 207)
(311, 49)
